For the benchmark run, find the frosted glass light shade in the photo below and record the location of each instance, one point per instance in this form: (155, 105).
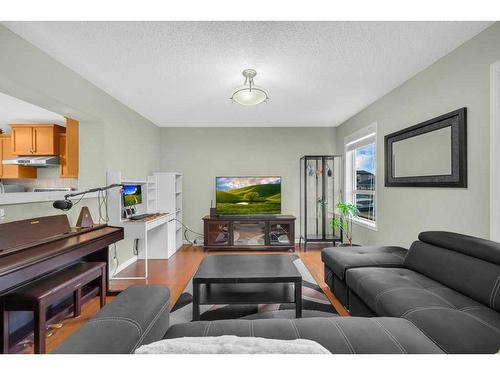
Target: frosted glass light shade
(245, 96)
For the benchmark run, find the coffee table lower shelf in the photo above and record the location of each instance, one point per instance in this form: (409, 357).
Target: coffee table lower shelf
(246, 293)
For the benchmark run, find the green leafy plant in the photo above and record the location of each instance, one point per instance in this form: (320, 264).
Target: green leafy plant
(343, 223)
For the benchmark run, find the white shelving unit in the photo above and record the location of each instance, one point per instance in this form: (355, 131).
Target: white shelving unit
(152, 195)
(153, 236)
(168, 187)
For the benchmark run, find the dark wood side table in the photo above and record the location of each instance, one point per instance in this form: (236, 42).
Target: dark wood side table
(247, 279)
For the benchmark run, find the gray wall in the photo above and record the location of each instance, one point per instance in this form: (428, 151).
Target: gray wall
(201, 154)
(112, 137)
(460, 79)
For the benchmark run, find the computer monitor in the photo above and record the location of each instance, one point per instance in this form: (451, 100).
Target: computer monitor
(132, 195)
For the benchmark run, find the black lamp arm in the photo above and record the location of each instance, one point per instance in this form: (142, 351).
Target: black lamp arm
(91, 191)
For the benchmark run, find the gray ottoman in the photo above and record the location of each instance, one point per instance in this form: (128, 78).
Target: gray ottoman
(137, 316)
(337, 260)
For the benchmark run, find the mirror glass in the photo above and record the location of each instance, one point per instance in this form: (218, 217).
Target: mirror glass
(427, 154)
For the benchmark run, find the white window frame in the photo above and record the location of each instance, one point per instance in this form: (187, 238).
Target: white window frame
(358, 139)
(494, 151)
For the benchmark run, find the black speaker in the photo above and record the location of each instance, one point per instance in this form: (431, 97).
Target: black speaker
(213, 212)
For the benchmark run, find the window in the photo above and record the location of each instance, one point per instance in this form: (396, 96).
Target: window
(361, 165)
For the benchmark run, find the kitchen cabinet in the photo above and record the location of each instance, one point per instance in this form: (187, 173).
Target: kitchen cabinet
(63, 161)
(69, 150)
(12, 171)
(36, 139)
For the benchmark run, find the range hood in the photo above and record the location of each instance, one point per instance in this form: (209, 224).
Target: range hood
(34, 161)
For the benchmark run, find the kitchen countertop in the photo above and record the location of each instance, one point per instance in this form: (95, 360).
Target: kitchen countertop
(33, 197)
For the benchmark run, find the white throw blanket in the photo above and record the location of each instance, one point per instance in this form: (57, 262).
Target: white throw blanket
(231, 345)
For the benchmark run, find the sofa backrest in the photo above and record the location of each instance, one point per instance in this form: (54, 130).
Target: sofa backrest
(466, 264)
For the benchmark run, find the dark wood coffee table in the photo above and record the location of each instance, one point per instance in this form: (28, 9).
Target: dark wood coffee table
(247, 279)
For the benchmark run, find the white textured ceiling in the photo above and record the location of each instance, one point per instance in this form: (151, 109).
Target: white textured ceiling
(182, 73)
(16, 111)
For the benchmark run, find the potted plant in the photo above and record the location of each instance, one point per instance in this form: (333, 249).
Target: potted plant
(343, 223)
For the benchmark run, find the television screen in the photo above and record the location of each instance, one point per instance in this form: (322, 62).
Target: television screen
(248, 195)
(132, 195)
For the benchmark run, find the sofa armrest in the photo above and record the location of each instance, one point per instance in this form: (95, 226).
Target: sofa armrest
(137, 316)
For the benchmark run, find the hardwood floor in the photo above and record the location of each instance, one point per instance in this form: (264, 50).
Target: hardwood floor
(175, 273)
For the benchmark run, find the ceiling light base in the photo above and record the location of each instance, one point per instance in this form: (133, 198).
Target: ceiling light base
(249, 94)
(249, 73)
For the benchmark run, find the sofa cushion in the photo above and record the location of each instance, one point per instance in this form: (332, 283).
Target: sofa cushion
(470, 275)
(474, 330)
(473, 246)
(400, 292)
(339, 335)
(340, 259)
(394, 291)
(137, 316)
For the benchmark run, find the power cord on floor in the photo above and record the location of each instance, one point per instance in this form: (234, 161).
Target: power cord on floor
(115, 257)
(186, 230)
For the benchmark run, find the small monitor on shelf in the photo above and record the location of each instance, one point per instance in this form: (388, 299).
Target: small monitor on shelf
(132, 195)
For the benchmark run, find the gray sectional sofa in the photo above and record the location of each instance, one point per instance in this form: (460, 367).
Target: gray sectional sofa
(440, 296)
(446, 284)
(138, 316)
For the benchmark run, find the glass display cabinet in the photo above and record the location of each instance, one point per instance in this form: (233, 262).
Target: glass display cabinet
(320, 191)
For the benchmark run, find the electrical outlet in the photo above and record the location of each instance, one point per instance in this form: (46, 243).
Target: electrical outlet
(2, 214)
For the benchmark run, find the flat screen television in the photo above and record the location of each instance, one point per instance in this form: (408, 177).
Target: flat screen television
(132, 195)
(248, 195)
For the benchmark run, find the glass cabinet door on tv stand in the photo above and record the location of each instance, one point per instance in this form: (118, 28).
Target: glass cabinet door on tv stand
(320, 191)
(218, 233)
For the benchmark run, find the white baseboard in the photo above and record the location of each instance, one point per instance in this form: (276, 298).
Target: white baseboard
(125, 264)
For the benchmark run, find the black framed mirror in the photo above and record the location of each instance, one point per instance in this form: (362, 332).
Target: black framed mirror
(430, 154)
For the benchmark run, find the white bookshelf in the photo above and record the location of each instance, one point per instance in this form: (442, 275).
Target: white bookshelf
(152, 195)
(168, 188)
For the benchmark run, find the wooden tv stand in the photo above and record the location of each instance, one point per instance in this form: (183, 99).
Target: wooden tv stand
(242, 232)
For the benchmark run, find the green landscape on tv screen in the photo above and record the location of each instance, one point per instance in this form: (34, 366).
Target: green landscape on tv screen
(132, 195)
(248, 195)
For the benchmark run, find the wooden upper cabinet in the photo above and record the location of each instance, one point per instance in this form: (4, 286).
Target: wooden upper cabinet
(12, 171)
(42, 139)
(45, 141)
(36, 139)
(69, 150)
(63, 157)
(22, 140)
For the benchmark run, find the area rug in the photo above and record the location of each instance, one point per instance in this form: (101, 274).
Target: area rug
(313, 299)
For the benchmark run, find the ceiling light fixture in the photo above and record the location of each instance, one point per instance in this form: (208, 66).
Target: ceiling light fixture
(249, 94)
